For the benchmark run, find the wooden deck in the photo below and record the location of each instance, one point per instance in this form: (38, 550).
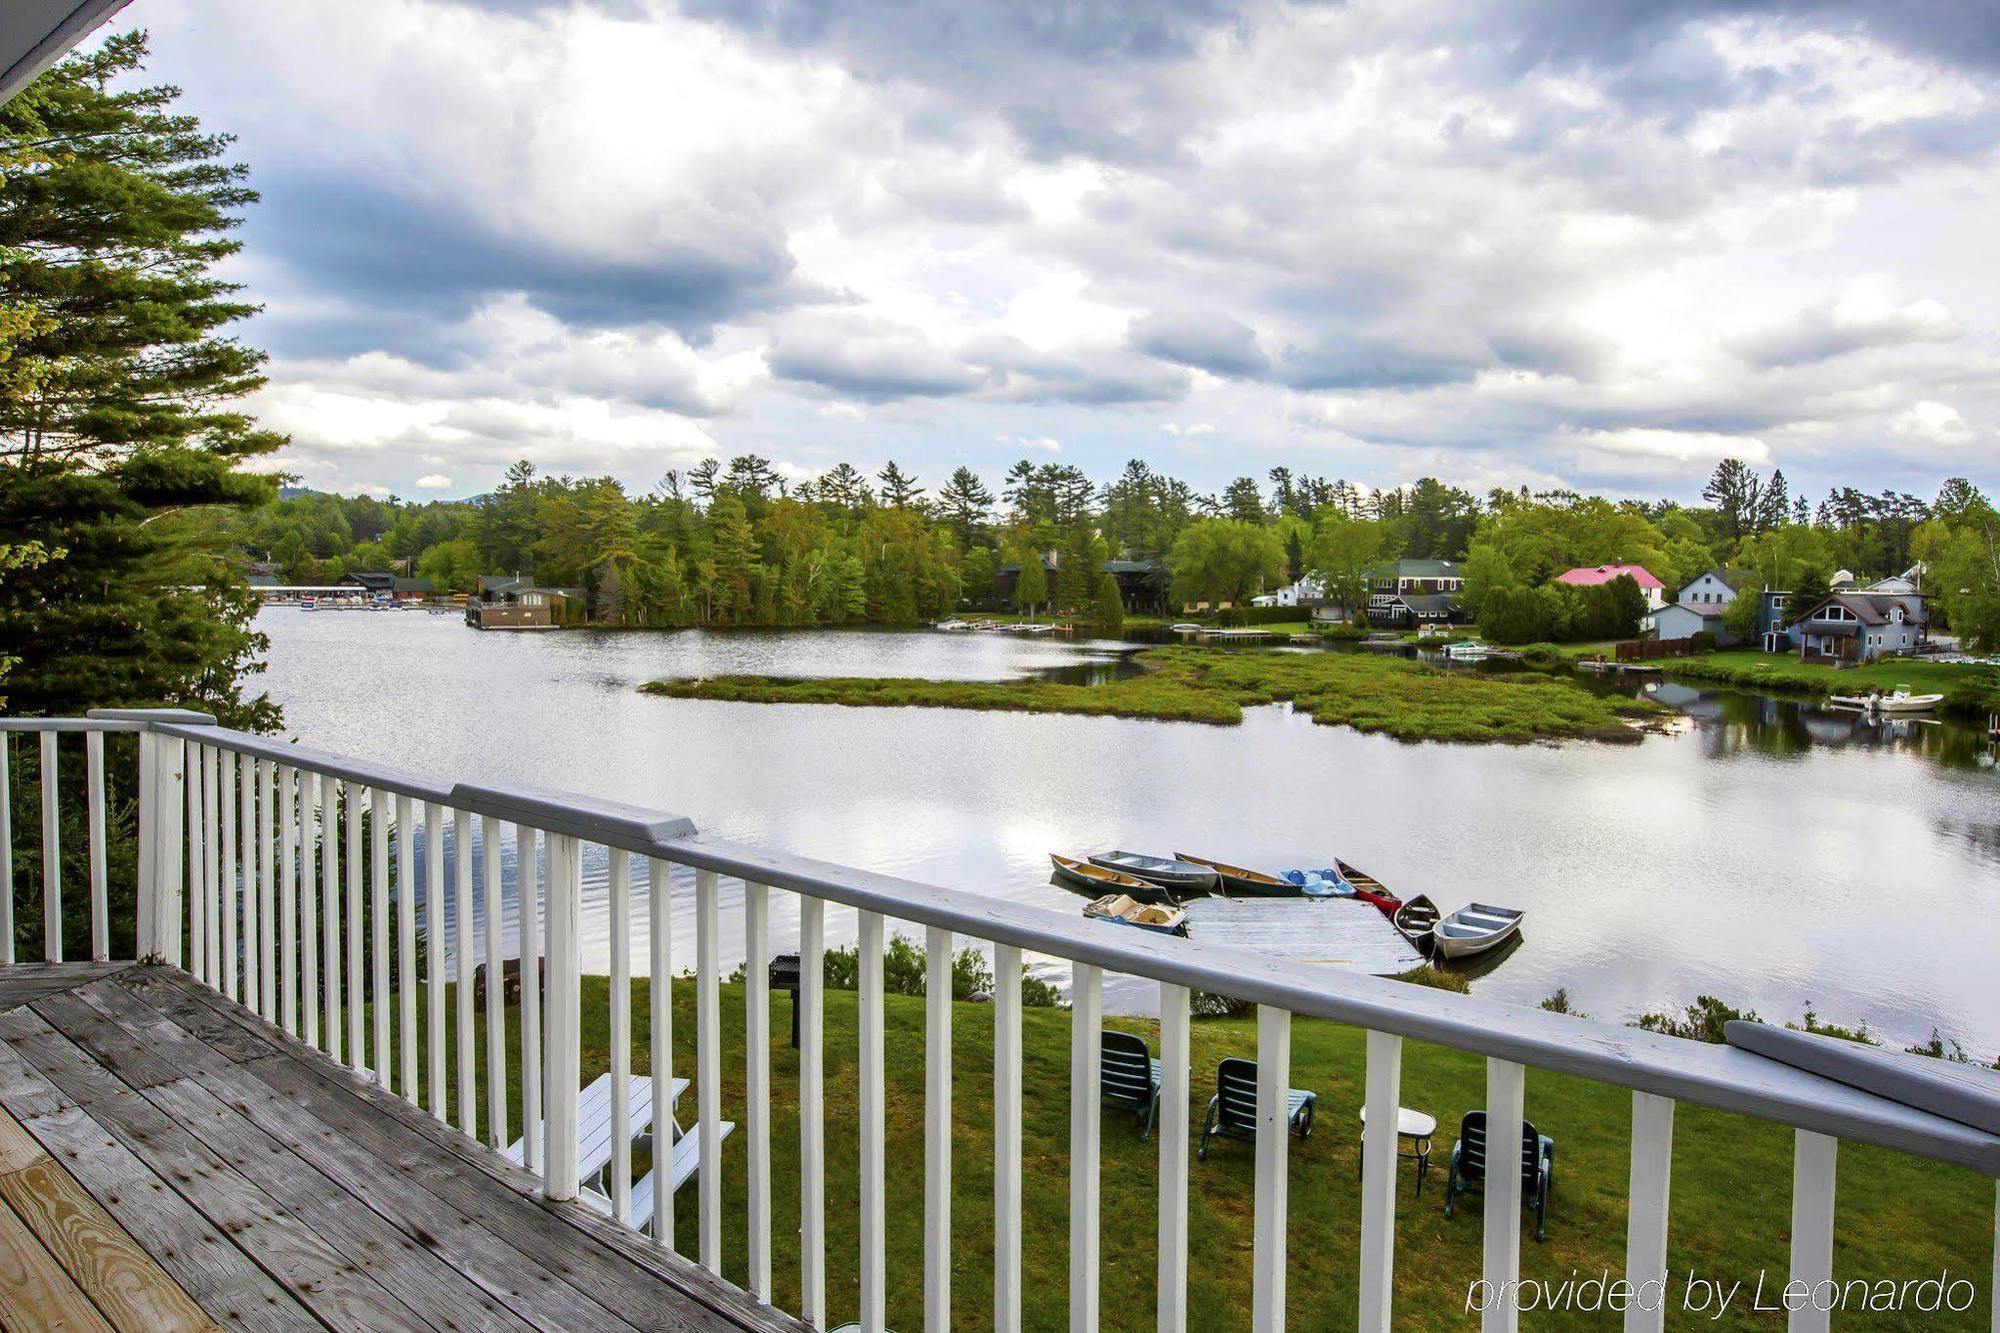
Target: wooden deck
(170, 1161)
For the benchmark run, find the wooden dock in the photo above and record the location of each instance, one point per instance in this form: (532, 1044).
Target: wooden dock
(170, 1161)
(1337, 932)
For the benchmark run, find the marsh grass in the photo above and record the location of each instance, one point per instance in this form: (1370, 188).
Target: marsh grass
(1387, 695)
(1898, 1216)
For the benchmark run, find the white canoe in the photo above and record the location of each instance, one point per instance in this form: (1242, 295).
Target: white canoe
(1125, 911)
(1475, 928)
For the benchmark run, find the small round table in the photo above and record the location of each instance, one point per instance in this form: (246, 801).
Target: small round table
(1417, 1127)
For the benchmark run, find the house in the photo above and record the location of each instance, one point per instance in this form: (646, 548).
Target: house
(514, 602)
(385, 587)
(1586, 576)
(1859, 627)
(1302, 593)
(1415, 609)
(1699, 608)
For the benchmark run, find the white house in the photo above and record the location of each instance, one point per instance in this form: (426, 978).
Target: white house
(1305, 590)
(1699, 608)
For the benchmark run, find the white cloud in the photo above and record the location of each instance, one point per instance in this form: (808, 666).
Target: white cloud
(1483, 240)
(433, 481)
(1933, 423)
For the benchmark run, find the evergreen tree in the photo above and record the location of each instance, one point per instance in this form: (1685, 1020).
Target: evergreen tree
(114, 213)
(1242, 502)
(899, 488)
(964, 502)
(1108, 612)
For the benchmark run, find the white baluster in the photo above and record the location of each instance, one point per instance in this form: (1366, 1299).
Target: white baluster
(288, 899)
(356, 987)
(197, 842)
(7, 843)
(1274, 1078)
(621, 1035)
(527, 878)
(434, 955)
(708, 1070)
(1171, 1297)
(659, 990)
(268, 856)
(378, 935)
(937, 1130)
(169, 887)
(493, 896)
(227, 802)
(52, 949)
(1506, 1106)
(309, 841)
(1006, 1138)
(468, 1050)
(246, 827)
(330, 913)
(1085, 1094)
(100, 910)
(211, 864)
(1814, 1157)
(1646, 1214)
(812, 1111)
(406, 942)
(1378, 1180)
(757, 1081)
(563, 1030)
(873, 1184)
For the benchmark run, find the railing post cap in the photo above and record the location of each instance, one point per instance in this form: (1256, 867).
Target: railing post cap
(182, 716)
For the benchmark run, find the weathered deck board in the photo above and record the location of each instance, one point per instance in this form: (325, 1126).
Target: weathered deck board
(277, 1189)
(24, 983)
(384, 1174)
(331, 1086)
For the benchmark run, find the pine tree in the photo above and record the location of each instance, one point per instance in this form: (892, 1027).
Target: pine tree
(114, 212)
(899, 488)
(1108, 613)
(964, 502)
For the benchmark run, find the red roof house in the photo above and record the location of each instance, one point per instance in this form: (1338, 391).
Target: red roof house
(1593, 574)
(1589, 575)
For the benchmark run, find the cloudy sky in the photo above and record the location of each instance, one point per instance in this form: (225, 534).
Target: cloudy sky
(1583, 242)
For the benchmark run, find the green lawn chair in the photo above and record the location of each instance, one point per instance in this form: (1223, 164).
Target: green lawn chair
(1232, 1112)
(1130, 1076)
(1538, 1167)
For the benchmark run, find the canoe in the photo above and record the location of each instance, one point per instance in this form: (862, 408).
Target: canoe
(1180, 876)
(1417, 918)
(1240, 883)
(1475, 928)
(1096, 879)
(1369, 889)
(1121, 909)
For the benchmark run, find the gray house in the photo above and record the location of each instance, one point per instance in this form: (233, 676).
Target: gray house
(1859, 627)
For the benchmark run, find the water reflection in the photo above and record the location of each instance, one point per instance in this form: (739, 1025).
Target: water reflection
(1774, 854)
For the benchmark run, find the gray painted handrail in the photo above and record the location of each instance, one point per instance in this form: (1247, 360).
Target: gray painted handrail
(1966, 1093)
(1723, 1077)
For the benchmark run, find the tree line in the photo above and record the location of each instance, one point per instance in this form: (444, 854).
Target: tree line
(739, 544)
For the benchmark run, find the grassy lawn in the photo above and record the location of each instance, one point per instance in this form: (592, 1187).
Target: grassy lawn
(1400, 698)
(1970, 689)
(1898, 1216)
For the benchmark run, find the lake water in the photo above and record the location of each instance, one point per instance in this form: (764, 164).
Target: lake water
(1773, 854)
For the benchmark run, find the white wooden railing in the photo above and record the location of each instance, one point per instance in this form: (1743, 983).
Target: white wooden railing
(236, 830)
